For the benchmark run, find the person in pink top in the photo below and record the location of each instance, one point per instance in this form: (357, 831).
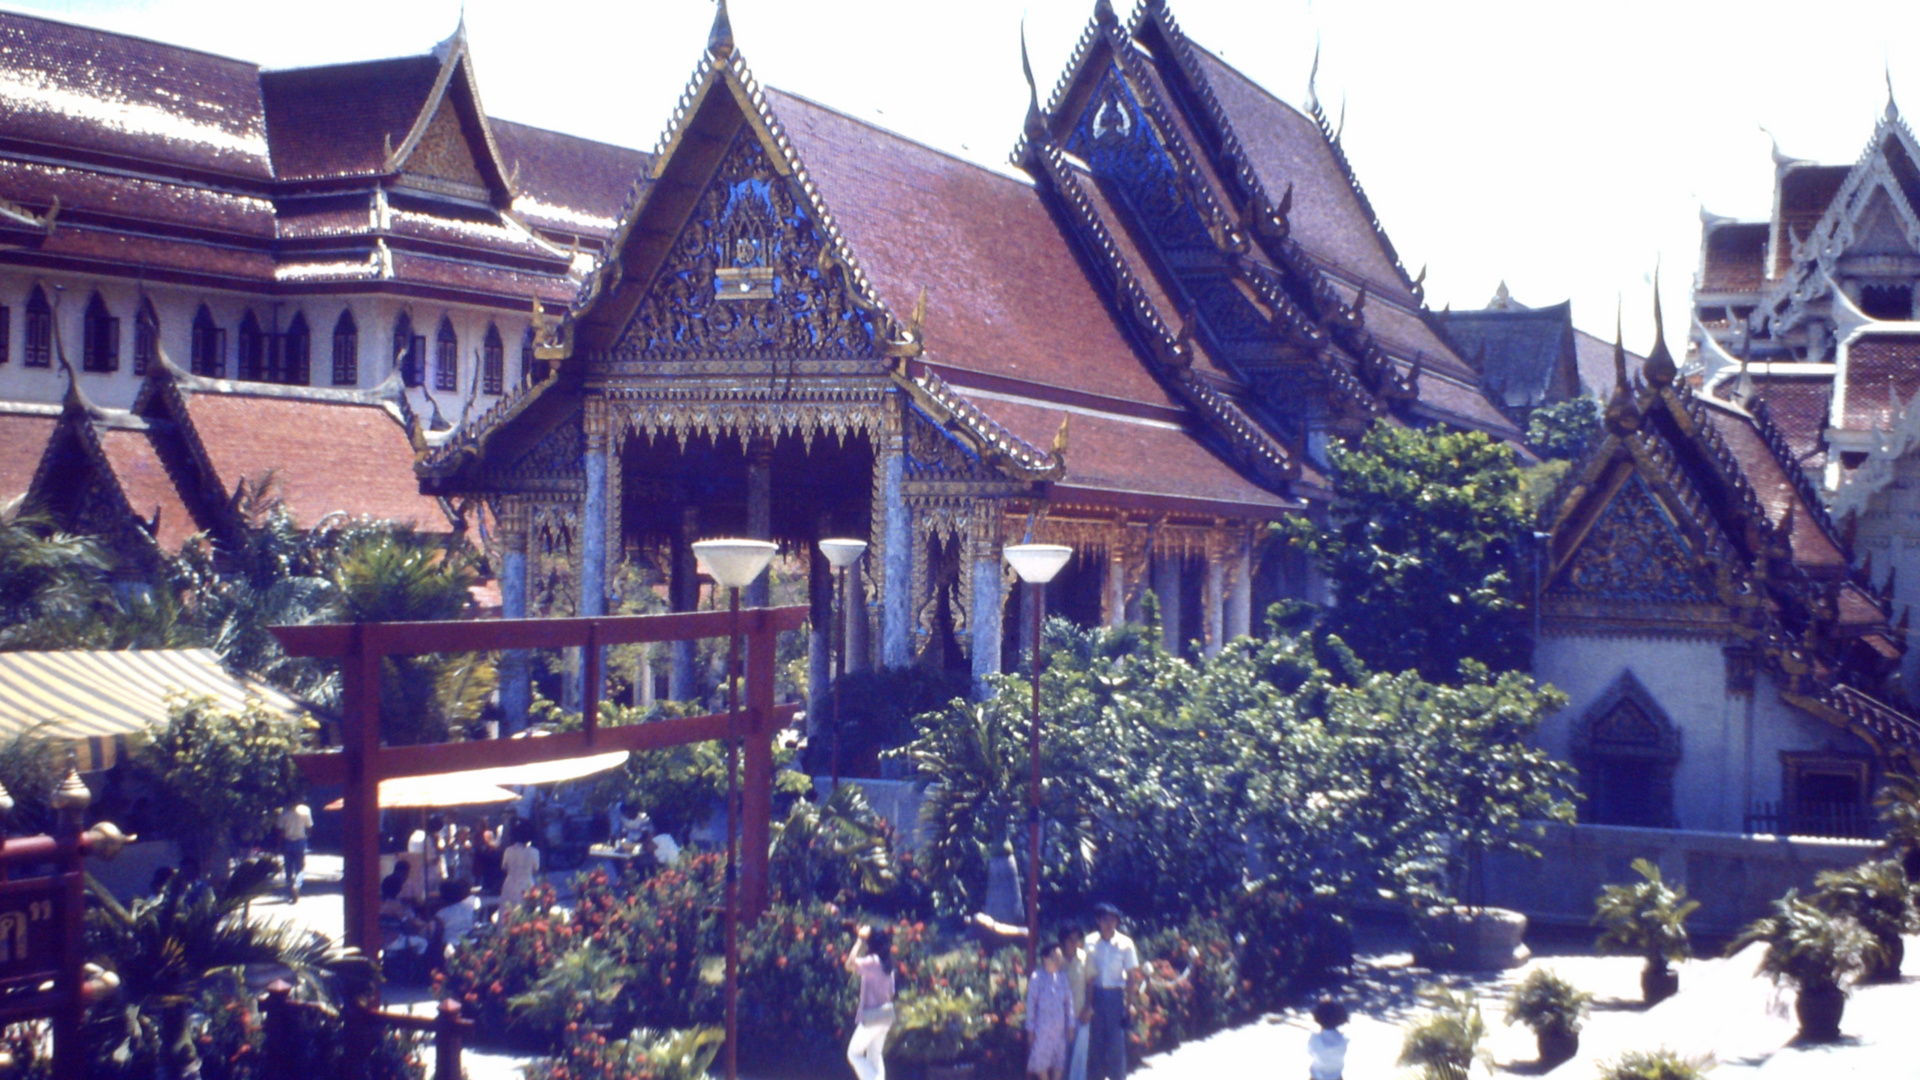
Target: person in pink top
(872, 959)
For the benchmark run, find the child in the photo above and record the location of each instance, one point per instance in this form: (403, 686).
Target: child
(1050, 1020)
(1327, 1048)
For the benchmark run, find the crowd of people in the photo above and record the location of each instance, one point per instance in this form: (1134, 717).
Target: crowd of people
(450, 877)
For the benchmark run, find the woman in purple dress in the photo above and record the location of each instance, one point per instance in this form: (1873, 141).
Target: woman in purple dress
(1049, 1016)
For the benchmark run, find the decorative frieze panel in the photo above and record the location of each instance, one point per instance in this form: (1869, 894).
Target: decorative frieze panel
(749, 275)
(557, 456)
(1634, 553)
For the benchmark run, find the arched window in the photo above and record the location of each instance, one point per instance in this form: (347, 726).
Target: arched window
(209, 345)
(100, 337)
(493, 362)
(253, 352)
(1627, 751)
(296, 352)
(346, 350)
(39, 344)
(446, 357)
(146, 337)
(406, 351)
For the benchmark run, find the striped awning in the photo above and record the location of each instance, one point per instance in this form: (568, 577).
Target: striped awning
(97, 698)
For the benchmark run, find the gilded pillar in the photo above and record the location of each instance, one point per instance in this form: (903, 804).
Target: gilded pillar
(1214, 590)
(896, 525)
(516, 683)
(988, 601)
(1167, 588)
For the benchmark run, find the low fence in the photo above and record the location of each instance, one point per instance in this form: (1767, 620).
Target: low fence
(1733, 876)
(1819, 821)
(282, 1057)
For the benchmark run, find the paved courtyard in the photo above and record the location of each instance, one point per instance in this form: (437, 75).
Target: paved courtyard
(1722, 1009)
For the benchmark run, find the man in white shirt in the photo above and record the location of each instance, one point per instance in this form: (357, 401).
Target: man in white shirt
(1113, 977)
(294, 823)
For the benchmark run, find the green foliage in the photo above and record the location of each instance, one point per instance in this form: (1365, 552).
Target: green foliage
(1446, 1044)
(796, 999)
(1876, 895)
(52, 584)
(584, 982)
(1428, 527)
(172, 950)
(877, 710)
(1808, 946)
(1166, 782)
(938, 1028)
(1564, 429)
(1659, 1064)
(32, 764)
(838, 850)
(1193, 985)
(645, 1054)
(214, 775)
(1647, 918)
(1548, 1004)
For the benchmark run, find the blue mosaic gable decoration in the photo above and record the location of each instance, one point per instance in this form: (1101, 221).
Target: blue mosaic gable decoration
(749, 276)
(1636, 553)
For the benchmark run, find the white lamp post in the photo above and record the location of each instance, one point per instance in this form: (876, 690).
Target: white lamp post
(842, 554)
(733, 564)
(1036, 564)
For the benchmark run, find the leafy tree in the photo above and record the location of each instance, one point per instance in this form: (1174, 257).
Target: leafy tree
(172, 951)
(1428, 526)
(32, 764)
(1563, 431)
(212, 774)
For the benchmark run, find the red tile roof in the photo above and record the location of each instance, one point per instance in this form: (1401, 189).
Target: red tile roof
(1595, 357)
(1812, 548)
(23, 439)
(104, 93)
(149, 489)
(1798, 407)
(343, 119)
(1805, 193)
(325, 456)
(1735, 259)
(1883, 373)
(566, 183)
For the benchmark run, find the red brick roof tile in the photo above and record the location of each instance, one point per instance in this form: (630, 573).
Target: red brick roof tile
(149, 489)
(1812, 548)
(325, 456)
(1595, 357)
(566, 183)
(1736, 258)
(1883, 372)
(1798, 407)
(343, 119)
(23, 439)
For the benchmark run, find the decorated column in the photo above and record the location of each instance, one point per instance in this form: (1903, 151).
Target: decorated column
(896, 600)
(516, 686)
(820, 630)
(988, 602)
(1214, 588)
(1239, 614)
(593, 524)
(1166, 586)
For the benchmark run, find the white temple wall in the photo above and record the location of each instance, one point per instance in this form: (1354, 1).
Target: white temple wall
(1888, 531)
(1730, 742)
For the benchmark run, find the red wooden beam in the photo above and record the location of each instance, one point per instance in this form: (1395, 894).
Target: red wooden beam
(485, 635)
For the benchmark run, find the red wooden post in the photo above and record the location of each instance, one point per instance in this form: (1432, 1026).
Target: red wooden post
(446, 1041)
(757, 791)
(592, 681)
(360, 884)
(69, 1058)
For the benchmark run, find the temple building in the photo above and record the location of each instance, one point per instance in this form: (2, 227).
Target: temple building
(324, 236)
(808, 326)
(1811, 320)
(1529, 357)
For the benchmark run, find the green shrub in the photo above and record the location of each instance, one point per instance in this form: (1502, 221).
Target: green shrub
(942, 1027)
(1660, 1064)
(1193, 982)
(1807, 946)
(797, 1000)
(1647, 918)
(1446, 1044)
(1877, 896)
(1285, 945)
(644, 1055)
(1548, 1004)
(504, 959)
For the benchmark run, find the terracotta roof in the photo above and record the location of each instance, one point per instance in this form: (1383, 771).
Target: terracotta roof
(1883, 372)
(1775, 488)
(24, 436)
(149, 489)
(1595, 357)
(1285, 147)
(566, 183)
(99, 198)
(343, 119)
(1006, 294)
(1797, 405)
(325, 456)
(1805, 193)
(1735, 259)
(104, 93)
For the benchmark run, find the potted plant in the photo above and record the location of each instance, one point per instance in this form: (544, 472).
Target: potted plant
(1662, 1064)
(1553, 1008)
(1817, 953)
(1875, 895)
(1446, 1044)
(1647, 918)
(939, 1030)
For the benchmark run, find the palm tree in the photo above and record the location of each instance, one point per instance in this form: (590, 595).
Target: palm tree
(53, 584)
(172, 950)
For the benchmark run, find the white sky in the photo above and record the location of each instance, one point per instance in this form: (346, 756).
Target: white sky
(1561, 146)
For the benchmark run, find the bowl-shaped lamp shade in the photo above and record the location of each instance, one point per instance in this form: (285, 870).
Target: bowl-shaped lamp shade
(1037, 563)
(735, 563)
(843, 553)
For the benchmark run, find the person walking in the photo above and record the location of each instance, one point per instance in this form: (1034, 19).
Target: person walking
(1076, 971)
(1113, 977)
(294, 823)
(872, 960)
(521, 861)
(1050, 1020)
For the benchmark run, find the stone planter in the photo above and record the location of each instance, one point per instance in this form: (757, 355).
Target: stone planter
(1557, 1047)
(1658, 984)
(1818, 1009)
(1472, 939)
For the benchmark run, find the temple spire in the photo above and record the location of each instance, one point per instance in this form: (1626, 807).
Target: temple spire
(1893, 109)
(1622, 415)
(1659, 369)
(1036, 125)
(720, 38)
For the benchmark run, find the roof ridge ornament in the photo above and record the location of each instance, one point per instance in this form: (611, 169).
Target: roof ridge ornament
(1313, 75)
(1659, 368)
(1036, 123)
(720, 37)
(1893, 107)
(1623, 415)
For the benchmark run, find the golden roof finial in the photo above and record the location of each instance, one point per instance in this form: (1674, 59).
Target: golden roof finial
(1060, 437)
(1659, 368)
(1622, 414)
(1036, 127)
(720, 38)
